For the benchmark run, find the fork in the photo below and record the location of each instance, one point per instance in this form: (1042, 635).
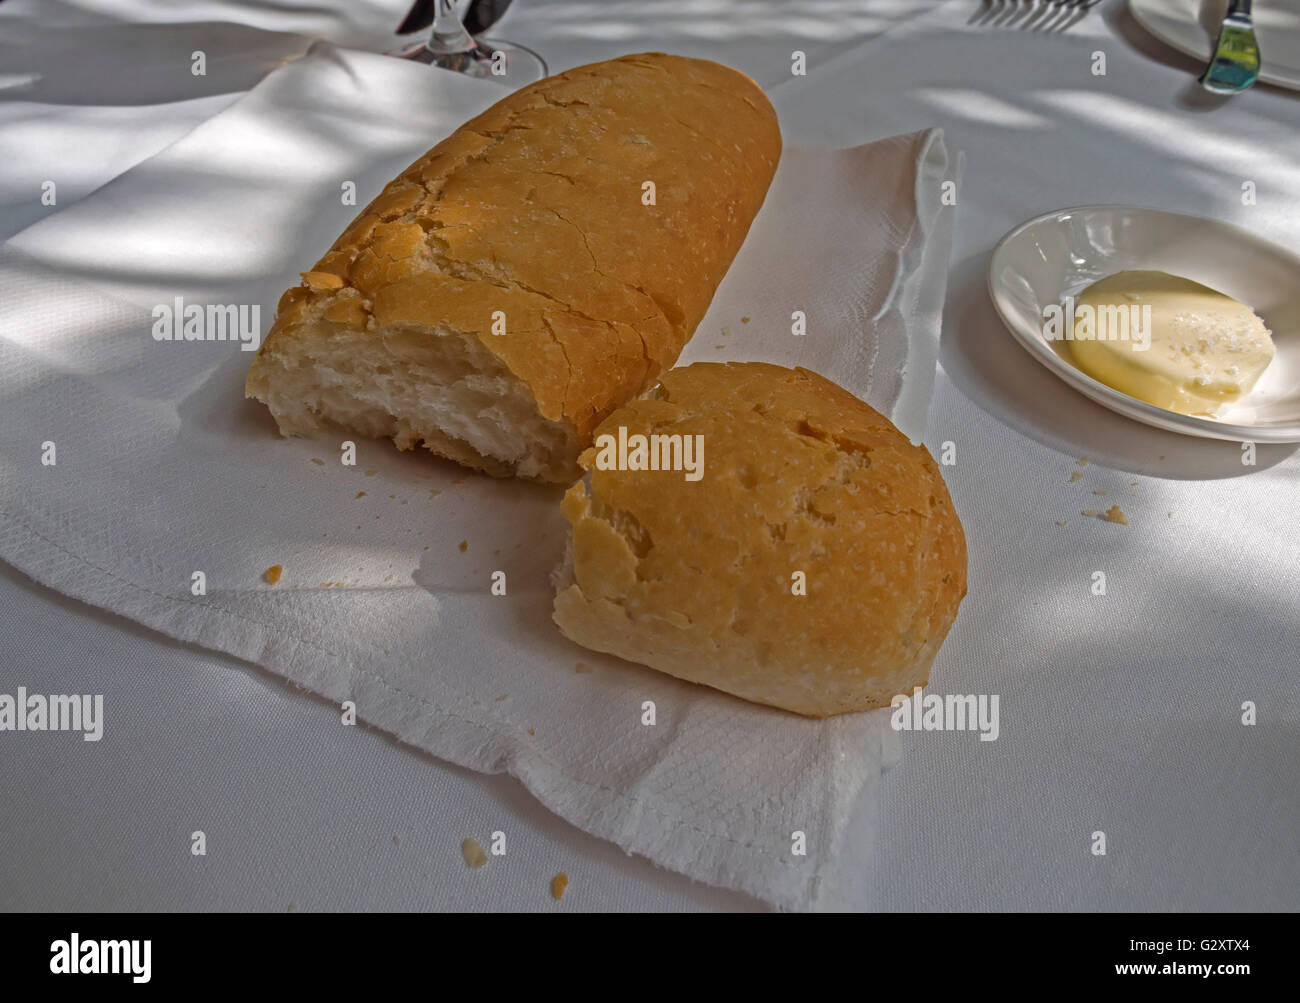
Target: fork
(1032, 15)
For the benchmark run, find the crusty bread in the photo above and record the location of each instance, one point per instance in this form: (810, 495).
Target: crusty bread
(696, 579)
(534, 209)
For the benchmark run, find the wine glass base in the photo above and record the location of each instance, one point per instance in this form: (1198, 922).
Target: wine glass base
(491, 59)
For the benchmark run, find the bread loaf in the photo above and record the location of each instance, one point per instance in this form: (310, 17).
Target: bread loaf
(816, 565)
(530, 273)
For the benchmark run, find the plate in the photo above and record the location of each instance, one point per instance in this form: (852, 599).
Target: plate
(1184, 25)
(1058, 254)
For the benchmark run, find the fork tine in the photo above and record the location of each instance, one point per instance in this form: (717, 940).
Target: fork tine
(1046, 16)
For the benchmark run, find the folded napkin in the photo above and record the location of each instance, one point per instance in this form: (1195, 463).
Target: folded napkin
(163, 470)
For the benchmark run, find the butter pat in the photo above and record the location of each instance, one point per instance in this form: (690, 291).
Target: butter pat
(1193, 351)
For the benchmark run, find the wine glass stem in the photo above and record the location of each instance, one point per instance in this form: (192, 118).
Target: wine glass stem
(449, 36)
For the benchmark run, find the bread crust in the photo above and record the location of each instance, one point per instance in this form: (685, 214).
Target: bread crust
(534, 208)
(695, 578)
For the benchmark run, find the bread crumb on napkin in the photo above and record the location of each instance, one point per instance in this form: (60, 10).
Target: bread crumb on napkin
(272, 574)
(558, 884)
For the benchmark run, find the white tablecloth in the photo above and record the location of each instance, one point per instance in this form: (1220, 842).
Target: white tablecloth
(1119, 714)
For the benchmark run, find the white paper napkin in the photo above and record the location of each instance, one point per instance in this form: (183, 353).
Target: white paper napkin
(164, 470)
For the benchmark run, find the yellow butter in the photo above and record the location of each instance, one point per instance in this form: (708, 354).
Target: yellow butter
(1203, 351)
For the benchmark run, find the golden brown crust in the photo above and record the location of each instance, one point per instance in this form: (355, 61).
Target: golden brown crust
(695, 578)
(535, 208)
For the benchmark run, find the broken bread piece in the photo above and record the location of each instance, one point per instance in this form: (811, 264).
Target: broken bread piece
(533, 271)
(815, 564)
